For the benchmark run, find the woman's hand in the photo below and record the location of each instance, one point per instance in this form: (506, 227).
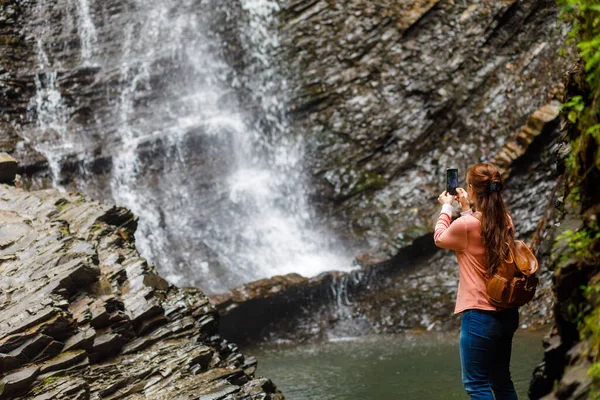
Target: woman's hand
(445, 198)
(463, 199)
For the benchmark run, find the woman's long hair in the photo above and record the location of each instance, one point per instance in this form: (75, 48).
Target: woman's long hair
(496, 231)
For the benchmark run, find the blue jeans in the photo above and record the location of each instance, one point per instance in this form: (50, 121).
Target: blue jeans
(485, 347)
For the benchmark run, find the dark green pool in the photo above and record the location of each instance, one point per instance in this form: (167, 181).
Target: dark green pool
(422, 366)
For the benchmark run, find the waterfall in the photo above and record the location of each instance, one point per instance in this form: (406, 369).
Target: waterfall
(86, 30)
(51, 138)
(198, 141)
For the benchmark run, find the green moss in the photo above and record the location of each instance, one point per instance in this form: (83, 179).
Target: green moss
(582, 108)
(42, 386)
(62, 204)
(581, 244)
(368, 180)
(64, 229)
(594, 373)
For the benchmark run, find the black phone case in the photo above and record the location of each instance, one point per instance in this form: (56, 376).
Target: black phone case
(452, 181)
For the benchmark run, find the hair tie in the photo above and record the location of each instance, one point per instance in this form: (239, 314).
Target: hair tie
(495, 187)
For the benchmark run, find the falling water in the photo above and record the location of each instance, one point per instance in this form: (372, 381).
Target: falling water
(199, 143)
(87, 31)
(51, 114)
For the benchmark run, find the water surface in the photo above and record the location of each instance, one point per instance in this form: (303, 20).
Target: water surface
(410, 366)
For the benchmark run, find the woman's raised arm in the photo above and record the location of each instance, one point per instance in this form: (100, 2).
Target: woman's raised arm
(450, 235)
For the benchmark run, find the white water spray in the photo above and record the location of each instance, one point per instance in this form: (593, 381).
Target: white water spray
(87, 31)
(217, 181)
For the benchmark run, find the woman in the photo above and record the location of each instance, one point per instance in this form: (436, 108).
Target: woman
(480, 242)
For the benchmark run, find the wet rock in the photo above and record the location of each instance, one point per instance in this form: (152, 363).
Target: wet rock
(31, 348)
(76, 389)
(393, 94)
(66, 336)
(8, 362)
(17, 382)
(575, 383)
(51, 350)
(120, 217)
(10, 343)
(64, 361)
(106, 344)
(250, 312)
(201, 357)
(545, 117)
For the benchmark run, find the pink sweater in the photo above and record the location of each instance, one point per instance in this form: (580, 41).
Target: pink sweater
(464, 237)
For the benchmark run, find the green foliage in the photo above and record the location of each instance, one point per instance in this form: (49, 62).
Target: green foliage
(574, 107)
(582, 243)
(594, 372)
(584, 15)
(583, 109)
(369, 180)
(576, 313)
(42, 386)
(590, 329)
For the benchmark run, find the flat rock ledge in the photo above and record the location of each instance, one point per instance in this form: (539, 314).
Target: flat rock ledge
(83, 316)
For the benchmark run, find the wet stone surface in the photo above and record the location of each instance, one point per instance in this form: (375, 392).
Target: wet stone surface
(84, 317)
(390, 94)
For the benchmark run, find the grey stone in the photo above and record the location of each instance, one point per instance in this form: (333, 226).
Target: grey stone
(65, 360)
(76, 342)
(17, 382)
(84, 339)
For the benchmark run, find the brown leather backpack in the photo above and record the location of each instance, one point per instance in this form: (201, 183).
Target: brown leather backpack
(514, 282)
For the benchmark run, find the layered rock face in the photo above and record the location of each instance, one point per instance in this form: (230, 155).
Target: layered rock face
(570, 368)
(84, 317)
(391, 94)
(174, 110)
(68, 69)
(385, 96)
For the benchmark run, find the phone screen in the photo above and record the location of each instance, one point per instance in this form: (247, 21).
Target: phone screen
(452, 181)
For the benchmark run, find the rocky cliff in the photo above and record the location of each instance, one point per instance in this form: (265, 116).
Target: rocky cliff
(85, 317)
(385, 96)
(390, 94)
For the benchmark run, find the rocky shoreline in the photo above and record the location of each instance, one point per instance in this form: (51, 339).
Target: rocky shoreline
(85, 317)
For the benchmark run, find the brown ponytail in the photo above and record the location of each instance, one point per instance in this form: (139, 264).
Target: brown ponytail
(496, 231)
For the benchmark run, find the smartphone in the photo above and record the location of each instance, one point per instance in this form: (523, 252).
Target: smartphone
(452, 181)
